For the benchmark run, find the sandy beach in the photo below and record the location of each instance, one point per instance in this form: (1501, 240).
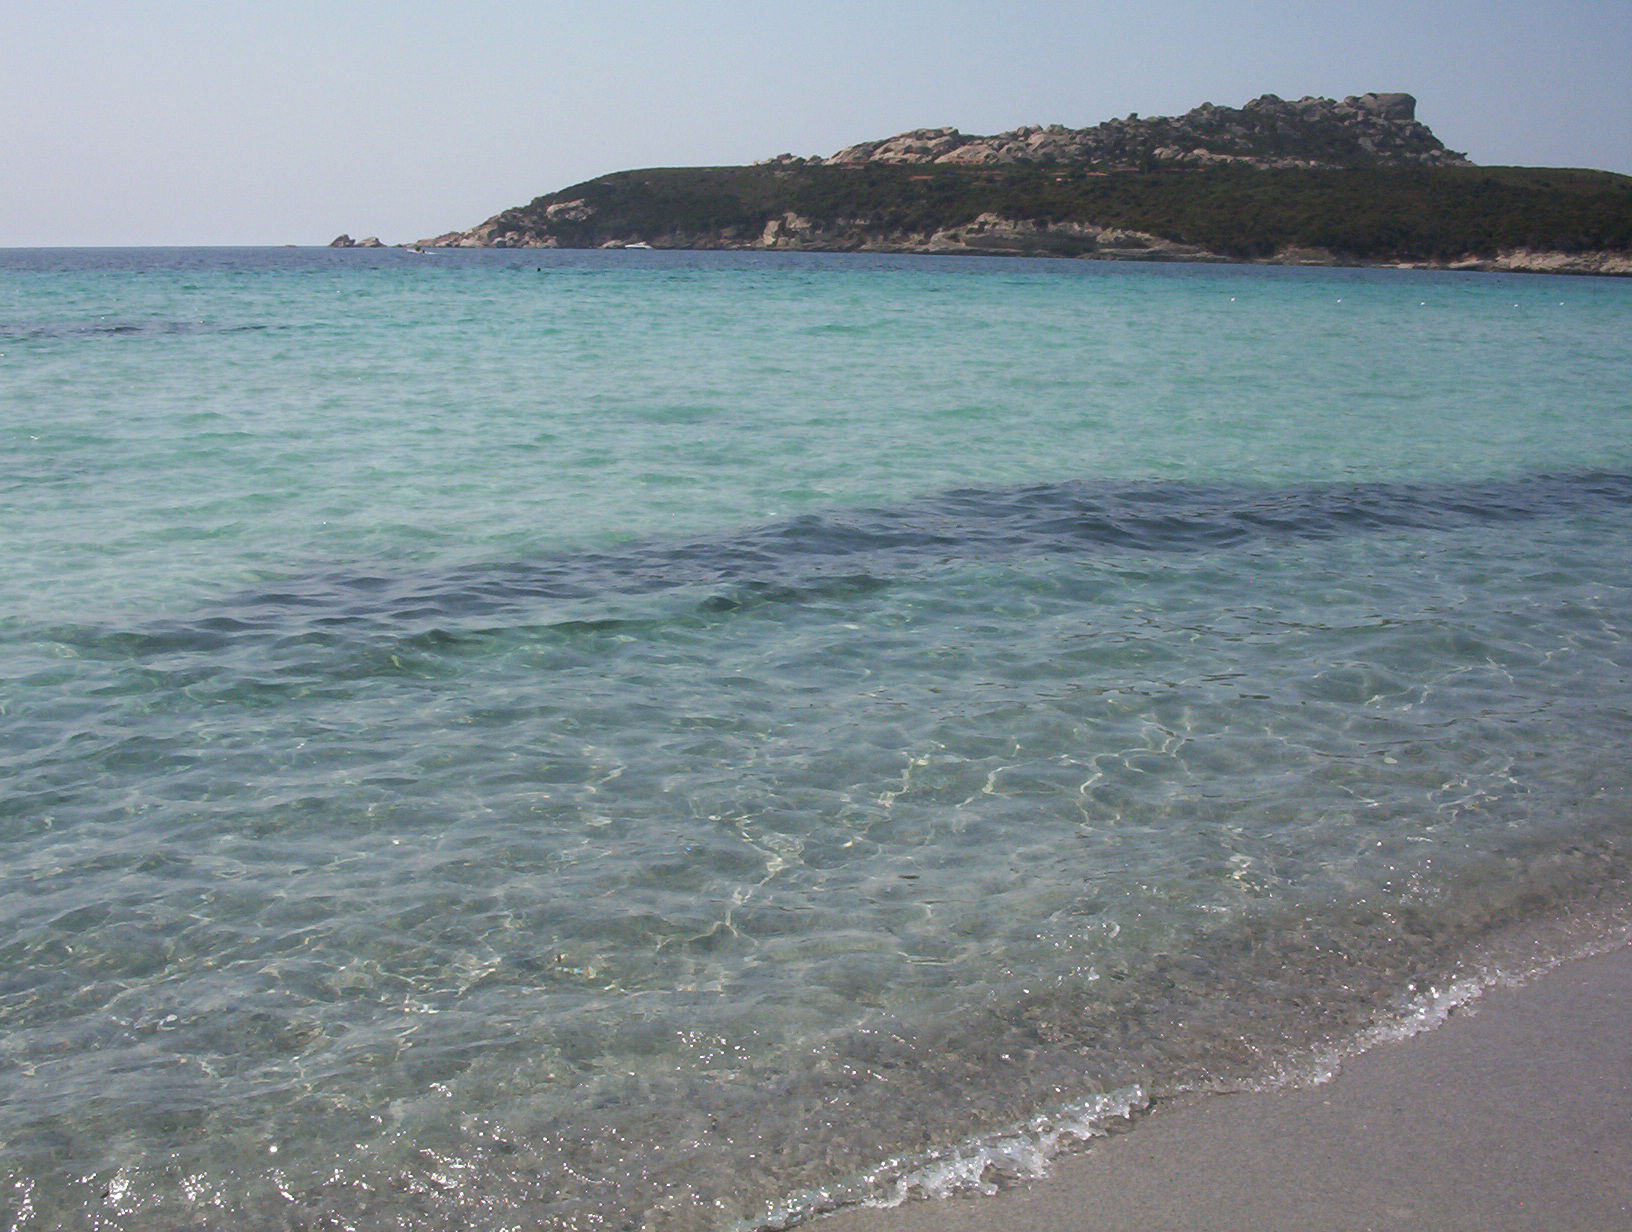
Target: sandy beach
(1515, 1114)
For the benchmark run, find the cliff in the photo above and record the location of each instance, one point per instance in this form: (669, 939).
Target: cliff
(1359, 181)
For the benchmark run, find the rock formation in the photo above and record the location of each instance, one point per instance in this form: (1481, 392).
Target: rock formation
(1362, 130)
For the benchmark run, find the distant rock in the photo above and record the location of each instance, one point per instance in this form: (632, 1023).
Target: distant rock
(1400, 107)
(988, 233)
(1361, 131)
(997, 235)
(1526, 261)
(345, 241)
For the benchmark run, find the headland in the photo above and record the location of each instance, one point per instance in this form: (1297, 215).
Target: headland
(1314, 181)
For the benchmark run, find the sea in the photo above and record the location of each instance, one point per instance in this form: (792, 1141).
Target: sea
(674, 741)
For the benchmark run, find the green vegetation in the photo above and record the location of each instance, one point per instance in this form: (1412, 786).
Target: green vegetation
(1412, 213)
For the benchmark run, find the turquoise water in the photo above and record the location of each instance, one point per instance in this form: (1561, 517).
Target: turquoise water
(637, 739)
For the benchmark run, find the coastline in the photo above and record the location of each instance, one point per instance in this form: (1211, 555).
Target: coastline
(1512, 1114)
(1004, 238)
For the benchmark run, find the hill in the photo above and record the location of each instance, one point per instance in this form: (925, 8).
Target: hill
(1313, 181)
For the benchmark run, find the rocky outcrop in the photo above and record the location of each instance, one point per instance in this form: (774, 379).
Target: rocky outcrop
(1531, 261)
(496, 232)
(1602, 262)
(1361, 130)
(988, 234)
(992, 233)
(345, 241)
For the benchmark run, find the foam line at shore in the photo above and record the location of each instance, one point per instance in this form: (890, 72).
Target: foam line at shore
(1510, 1117)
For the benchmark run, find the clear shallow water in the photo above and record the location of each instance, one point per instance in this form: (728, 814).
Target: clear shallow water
(638, 739)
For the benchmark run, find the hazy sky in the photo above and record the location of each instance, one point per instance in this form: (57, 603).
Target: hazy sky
(289, 121)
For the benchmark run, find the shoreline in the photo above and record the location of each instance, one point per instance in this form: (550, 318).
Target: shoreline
(1591, 264)
(1511, 1114)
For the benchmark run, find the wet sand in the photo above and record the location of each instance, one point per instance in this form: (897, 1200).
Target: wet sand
(1516, 1115)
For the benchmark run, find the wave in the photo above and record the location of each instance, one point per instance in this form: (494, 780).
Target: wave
(106, 327)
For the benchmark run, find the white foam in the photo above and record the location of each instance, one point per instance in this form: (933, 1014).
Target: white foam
(1430, 1008)
(1022, 1152)
(978, 1164)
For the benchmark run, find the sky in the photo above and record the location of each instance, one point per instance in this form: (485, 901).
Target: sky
(161, 122)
